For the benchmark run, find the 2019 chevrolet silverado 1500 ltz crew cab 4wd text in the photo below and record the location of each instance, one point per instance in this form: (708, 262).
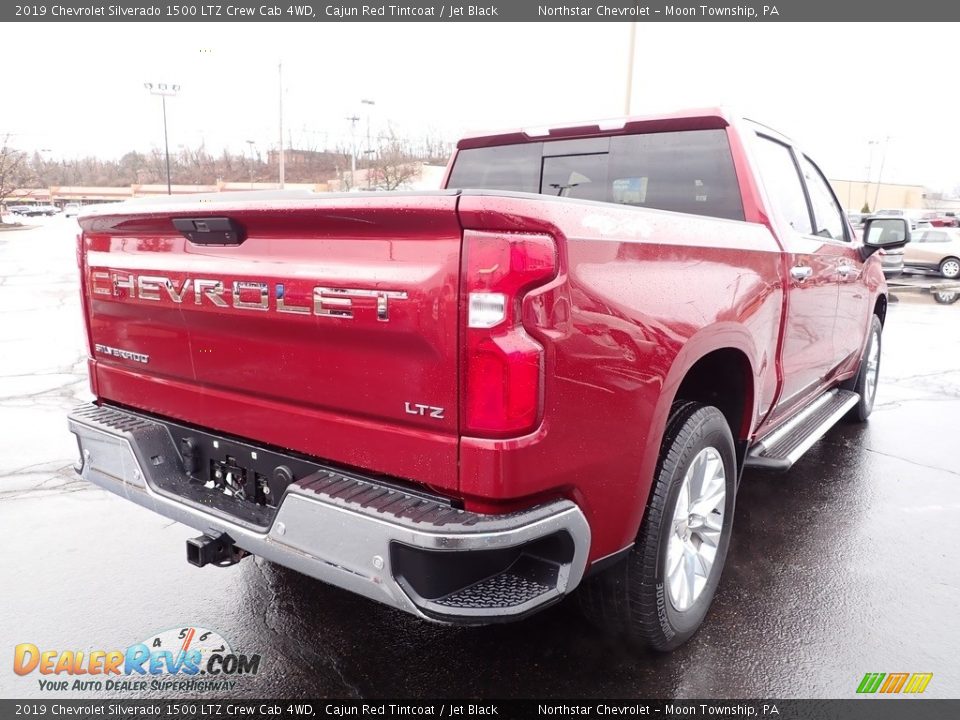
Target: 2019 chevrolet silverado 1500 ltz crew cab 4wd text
(468, 403)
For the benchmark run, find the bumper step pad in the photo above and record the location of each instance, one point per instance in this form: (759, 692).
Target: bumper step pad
(508, 589)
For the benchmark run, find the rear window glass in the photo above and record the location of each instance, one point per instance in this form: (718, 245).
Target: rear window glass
(690, 171)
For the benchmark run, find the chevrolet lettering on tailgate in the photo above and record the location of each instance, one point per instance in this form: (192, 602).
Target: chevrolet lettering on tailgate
(242, 294)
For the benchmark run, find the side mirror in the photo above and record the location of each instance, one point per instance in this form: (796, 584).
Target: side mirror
(884, 233)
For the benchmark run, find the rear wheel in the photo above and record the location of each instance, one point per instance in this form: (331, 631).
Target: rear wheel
(950, 268)
(660, 594)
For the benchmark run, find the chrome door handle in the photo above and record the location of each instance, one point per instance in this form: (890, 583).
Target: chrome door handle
(801, 272)
(845, 270)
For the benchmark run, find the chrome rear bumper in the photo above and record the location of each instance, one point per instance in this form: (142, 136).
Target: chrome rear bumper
(395, 547)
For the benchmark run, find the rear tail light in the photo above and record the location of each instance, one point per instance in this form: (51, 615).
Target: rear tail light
(503, 365)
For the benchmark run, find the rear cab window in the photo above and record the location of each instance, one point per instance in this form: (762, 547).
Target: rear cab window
(687, 171)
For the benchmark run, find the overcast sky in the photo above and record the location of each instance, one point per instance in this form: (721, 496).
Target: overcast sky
(77, 89)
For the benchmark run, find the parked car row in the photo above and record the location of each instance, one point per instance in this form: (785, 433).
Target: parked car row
(69, 210)
(934, 246)
(33, 210)
(932, 218)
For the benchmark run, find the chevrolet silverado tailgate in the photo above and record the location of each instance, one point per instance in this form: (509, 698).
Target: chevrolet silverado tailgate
(329, 328)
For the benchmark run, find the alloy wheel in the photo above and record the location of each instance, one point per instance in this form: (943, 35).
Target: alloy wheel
(696, 528)
(873, 367)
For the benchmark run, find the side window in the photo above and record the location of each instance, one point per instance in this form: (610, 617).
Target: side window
(936, 236)
(688, 171)
(826, 211)
(504, 167)
(918, 237)
(782, 181)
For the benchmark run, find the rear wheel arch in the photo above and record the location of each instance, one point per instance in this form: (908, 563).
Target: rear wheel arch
(722, 378)
(687, 380)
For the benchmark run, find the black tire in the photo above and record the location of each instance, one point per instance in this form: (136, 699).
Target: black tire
(950, 268)
(861, 411)
(632, 598)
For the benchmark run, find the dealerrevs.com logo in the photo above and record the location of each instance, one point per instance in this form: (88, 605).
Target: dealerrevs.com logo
(189, 659)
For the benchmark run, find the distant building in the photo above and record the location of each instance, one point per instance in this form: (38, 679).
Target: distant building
(853, 194)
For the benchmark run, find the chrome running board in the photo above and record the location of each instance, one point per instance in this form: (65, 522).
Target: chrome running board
(780, 449)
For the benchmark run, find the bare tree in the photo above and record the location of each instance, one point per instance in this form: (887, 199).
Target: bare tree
(132, 168)
(14, 169)
(394, 165)
(188, 166)
(433, 148)
(933, 200)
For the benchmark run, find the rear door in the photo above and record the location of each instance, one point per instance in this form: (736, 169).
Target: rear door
(853, 296)
(330, 330)
(807, 350)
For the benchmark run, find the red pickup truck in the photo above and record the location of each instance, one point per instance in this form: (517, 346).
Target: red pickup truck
(468, 403)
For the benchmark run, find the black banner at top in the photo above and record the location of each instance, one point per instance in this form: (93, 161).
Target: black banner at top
(226, 709)
(853, 11)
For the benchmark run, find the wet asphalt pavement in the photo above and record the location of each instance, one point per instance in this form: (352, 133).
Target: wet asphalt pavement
(847, 564)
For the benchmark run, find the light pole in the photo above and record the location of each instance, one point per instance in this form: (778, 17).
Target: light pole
(866, 186)
(281, 159)
(883, 158)
(164, 91)
(630, 54)
(353, 120)
(250, 144)
(369, 151)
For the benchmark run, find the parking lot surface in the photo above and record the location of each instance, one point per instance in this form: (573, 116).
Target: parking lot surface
(847, 564)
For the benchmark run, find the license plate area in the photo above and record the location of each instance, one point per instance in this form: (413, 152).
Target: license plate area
(231, 479)
(259, 476)
(244, 481)
(244, 473)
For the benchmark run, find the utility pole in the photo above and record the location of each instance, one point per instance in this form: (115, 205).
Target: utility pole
(369, 151)
(353, 120)
(164, 91)
(630, 54)
(280, 77)
(250, 143)
(883, 158)
(866, 186)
